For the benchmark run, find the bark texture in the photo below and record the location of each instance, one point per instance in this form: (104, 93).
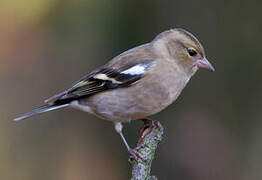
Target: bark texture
(141, 169)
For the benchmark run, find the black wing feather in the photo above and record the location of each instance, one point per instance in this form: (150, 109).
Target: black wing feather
(90, 84)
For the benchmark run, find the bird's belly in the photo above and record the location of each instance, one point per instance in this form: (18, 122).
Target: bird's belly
(134, 102)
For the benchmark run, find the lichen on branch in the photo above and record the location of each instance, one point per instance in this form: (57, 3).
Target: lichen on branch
(141, 168)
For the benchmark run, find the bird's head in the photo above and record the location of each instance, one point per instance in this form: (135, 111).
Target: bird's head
(184, 48)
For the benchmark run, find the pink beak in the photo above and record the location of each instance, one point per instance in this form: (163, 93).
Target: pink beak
(205, 64)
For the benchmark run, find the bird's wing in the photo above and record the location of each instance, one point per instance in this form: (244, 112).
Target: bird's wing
(103, 79)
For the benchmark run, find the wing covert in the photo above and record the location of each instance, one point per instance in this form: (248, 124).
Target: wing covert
(104, 79)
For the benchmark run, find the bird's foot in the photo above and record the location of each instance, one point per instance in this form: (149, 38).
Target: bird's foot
(148, 125)
(135, 155)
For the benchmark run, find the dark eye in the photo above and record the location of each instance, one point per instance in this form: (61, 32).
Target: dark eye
(191, 52)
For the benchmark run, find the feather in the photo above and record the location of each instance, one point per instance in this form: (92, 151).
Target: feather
(41, 109)
(103, 79)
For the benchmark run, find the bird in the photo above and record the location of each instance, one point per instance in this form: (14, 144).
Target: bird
(137, 83)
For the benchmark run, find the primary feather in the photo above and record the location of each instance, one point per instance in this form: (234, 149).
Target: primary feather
(103, 79)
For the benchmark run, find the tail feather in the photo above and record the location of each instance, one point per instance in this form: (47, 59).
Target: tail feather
(41, 109)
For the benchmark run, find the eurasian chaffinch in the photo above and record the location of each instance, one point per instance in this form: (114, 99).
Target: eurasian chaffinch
(137, 83)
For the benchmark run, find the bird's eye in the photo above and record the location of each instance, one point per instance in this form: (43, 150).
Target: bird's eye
(191, 52)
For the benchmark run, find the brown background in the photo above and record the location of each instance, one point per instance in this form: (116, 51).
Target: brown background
(212, 132)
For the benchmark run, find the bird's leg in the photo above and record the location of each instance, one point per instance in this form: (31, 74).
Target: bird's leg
(148, 125)
(132, 152)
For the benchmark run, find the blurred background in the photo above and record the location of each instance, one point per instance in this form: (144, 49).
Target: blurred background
(212, 132)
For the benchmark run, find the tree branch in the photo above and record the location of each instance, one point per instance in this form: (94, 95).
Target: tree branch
(147, 148)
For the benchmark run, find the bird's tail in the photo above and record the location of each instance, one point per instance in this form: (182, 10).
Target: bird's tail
(41, 109)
